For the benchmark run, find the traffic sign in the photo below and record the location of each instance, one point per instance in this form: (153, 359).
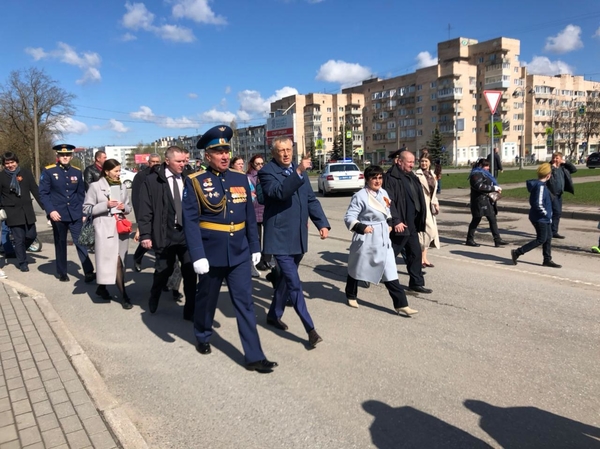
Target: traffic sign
(493, 99)
(581, 110)
(497, 129)
(549, 142)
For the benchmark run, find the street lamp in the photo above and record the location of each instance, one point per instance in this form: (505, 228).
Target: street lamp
(520, 92)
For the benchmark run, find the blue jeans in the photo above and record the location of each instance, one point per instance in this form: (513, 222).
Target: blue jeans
(543, 236)
(6, 242)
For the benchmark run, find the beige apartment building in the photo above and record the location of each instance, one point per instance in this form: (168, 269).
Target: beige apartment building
(405, 110)
(318, 118)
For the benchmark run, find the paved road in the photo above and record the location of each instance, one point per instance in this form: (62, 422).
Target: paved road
(498, 356)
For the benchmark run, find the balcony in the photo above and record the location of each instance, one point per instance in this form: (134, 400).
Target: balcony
(450, 93)
(500, 84)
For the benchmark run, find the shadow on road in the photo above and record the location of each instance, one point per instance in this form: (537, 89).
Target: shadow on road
(504, 259)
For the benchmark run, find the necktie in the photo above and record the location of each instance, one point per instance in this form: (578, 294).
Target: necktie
(177, 201)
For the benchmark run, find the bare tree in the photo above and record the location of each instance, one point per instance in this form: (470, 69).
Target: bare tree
(32, 109)
(591, 119)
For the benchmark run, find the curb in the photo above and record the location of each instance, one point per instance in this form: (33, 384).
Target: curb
(113, 413)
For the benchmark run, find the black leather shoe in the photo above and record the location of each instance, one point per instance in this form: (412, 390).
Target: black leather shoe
(472, 243)
(551, 264)
(262, 366)
(420, 289)
(153, 305)
(499, 243)
(262, 266)
(271, 278)
(137, 266)
(63, 278)
(558, 236)
(514, 256)
(126, 304)
(177, 296)
(203, 348)
(277, 323)
(103, 293)
(314, 338)
(24, 268)
(89, 278)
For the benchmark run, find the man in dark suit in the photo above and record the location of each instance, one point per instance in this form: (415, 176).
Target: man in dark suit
(289, 203)
(220, 228)
(62, 193)
(161, 228)
(408, 215)
(497, 162)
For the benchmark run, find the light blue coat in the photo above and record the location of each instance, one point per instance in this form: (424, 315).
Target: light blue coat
(371, 256)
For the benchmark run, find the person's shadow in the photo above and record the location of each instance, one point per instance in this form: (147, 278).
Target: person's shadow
(531, 427)
(406, 427)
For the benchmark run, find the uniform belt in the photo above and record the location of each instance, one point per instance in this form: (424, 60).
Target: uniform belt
(222, 227)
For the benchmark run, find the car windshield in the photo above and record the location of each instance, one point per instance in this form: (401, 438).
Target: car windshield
(343, 167)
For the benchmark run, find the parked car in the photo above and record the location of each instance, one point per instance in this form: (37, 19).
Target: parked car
(127, 177)
(593, 160)
(340, 177)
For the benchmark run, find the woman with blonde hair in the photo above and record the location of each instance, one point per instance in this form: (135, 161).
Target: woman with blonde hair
(429, 184)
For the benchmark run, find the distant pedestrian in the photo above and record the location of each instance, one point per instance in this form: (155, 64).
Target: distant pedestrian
(497, 162)
(540, 215)
(560, 181)
(429, 237)
(237, 163)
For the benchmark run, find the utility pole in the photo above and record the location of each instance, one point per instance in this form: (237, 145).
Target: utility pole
(36, 142)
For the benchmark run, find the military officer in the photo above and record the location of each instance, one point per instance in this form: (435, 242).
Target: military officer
(62, 192)
(222, 237)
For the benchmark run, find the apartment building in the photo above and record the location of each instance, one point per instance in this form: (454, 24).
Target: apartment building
(248, 141)
(319, 118)
(405, 110)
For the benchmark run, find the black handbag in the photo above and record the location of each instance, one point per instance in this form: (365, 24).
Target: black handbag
(86, 236)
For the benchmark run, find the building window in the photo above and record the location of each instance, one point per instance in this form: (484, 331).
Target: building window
(419, 121)
(419, 87)
(419, 98)
(328, 109)
(419, 132)
(433, 96)
(434, 108)
(433, 119)
(419, 110)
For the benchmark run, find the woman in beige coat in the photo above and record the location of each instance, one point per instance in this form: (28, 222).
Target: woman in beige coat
(106, 199)
(429, 183)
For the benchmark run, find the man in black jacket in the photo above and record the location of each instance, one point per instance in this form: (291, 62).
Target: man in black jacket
(497, 162)
(560, 181)
(160, 224)
(408, 215)
(92, 172)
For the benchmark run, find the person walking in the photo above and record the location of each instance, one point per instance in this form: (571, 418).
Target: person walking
(560, 181)
(220, 230)
(430, 236)
(371, 258)
(62, 192)
(541, 216)
(482, 184)
(108, 200)
(497, 162)
(289, 203)
(17, 185)
(92, 172)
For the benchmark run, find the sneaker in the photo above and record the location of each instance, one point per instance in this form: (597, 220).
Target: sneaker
(3, 275)
(595, 249)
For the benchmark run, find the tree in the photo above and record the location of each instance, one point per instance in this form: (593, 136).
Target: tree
(435, 145)
(33, 110)
(590, 123)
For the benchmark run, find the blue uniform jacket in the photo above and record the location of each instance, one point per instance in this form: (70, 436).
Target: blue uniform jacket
(540, 202)
(289, 203)
(62, 191)
(222, 199)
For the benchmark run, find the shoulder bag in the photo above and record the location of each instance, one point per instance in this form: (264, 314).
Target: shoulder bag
(87, 236)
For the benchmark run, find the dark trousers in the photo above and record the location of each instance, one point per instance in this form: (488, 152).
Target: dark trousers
(414, 257)
(59, 229)
(393, 287)
(239, 282)
(163, 268)
(23, 236)
(556, 212)
(543, 236)
(264, 258)
(139, 253)
(493, 227)
(289, 287)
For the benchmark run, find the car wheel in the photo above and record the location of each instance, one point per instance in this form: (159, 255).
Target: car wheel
(127, 184)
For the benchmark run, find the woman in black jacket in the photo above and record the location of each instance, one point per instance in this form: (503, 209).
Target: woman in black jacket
(16, 187)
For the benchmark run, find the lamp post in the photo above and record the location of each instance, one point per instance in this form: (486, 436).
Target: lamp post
(520, 92)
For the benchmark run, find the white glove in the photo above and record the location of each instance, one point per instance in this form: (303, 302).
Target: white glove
(201, 266)
(255, 258)
(498, 188)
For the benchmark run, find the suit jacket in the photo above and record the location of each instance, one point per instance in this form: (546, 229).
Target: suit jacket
(394, 185)
(289, 203)
(62, 190)
(19, 209)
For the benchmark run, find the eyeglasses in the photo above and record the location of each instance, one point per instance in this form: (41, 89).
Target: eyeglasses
(285, 151)
(256, 164)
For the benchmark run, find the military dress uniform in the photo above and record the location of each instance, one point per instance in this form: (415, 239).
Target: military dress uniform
(220, 226)
(62, 190)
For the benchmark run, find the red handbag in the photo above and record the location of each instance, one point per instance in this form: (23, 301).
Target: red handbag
(123, 224)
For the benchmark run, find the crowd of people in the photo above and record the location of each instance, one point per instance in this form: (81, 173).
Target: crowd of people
(221, 223)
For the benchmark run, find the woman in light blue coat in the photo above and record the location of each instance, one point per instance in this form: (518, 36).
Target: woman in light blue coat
(371, 257)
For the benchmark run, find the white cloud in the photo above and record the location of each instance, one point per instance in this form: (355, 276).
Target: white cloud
(198, 11)
(344, 73)
(315, 1)
(117, 126)
(227, 90)
(597, 33)
(424, 59)
(175, 33)
(251, 101)
(138, 17)
(218, 116)
(88, 62)
(567, 40)
(69, 125)
(541, 65)
(128, 37)
(146, 114)
(192, 95)
(243, 116)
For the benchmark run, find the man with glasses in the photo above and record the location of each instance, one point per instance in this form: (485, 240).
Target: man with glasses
(289, 203)
(62, 193)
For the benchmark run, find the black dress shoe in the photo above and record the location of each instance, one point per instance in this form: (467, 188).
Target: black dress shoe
(499, 243)
(420, 289)
(277, 323)
(126, 304)
(558, 236)
(271, 278)
(514, 255)
(63, 278)
(153, 305)
(89, 277)
(262, 366)
(314, 338)
(472, 243)
(262, 266)
(203, 348)
(551, 264)
(103, 293)
(177, 296)
(24, 268)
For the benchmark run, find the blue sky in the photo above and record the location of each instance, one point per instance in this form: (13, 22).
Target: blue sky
(154, 68)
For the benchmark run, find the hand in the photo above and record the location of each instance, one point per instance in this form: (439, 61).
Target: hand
(136, 237)
(201, 266)
(54, 216)
(121, 206)
(400, 227)
(147, 243)
(369, 230)
(304, 164)
(324, 232)
(113, 203)
(255, 258)
(498, 188)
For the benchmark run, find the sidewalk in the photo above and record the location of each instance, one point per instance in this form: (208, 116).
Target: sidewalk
(44, 382)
